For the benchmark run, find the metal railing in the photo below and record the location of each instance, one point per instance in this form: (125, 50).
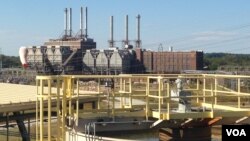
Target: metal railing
(148, 96)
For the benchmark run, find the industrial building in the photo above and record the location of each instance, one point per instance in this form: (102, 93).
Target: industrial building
(172, 62)
(108, 61)
(63, 55)
(77, 54)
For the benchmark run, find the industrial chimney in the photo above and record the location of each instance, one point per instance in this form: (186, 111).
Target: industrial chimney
(111, 41)
(126, 30)
(65, 22)
(138, 41)
(86, 22)
(70, 22)
(81, 22)
(126, 26)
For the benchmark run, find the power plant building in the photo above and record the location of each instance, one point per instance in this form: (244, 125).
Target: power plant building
(78, 54)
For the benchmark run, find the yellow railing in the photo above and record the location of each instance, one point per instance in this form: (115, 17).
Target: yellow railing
(148, 96)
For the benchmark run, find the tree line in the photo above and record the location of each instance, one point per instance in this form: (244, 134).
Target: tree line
(213, 60)
(10, 61)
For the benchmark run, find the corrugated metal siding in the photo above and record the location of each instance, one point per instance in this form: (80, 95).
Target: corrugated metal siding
(185, 61)
(138, 52)
(193, 61)
(155, 69)
(148, 61)
(172, 62)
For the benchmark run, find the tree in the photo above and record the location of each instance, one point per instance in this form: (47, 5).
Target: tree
(214, 60)
(11, 61)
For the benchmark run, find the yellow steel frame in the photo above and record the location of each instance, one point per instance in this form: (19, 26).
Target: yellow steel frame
(156, 92)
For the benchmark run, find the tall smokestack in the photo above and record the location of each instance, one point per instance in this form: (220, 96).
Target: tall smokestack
(65, 21)
(81, 22)
(138, 41)
(111, 31)
(126, 30)
(70, 22)
(86, 22)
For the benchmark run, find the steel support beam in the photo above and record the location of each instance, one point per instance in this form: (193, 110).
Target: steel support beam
(22, 128)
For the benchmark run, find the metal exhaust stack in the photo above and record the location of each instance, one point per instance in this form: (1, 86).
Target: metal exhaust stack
(70, 22)
(111, 32)
(138, 41)
(126, 30)
(81, 22)
(86, 22)
(65, 21)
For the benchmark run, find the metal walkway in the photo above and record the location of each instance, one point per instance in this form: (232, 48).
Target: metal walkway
(213, 98)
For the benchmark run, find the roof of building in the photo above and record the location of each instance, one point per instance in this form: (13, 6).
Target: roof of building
(16, 93)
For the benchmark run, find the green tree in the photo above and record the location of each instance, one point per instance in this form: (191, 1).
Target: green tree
(11, 61)
(214, 60)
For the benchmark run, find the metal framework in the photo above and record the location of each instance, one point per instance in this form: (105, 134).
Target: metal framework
(213, 96)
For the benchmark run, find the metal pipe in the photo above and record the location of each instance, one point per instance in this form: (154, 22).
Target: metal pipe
(81, 22)
(65, 21)
(86, 22)
(70, 22)
(7, 125)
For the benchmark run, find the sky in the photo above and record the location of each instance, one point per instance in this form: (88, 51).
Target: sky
(207, 25)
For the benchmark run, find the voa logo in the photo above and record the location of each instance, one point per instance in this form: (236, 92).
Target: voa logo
(236, 132)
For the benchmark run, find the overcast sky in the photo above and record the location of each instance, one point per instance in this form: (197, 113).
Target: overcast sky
(208, 25)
